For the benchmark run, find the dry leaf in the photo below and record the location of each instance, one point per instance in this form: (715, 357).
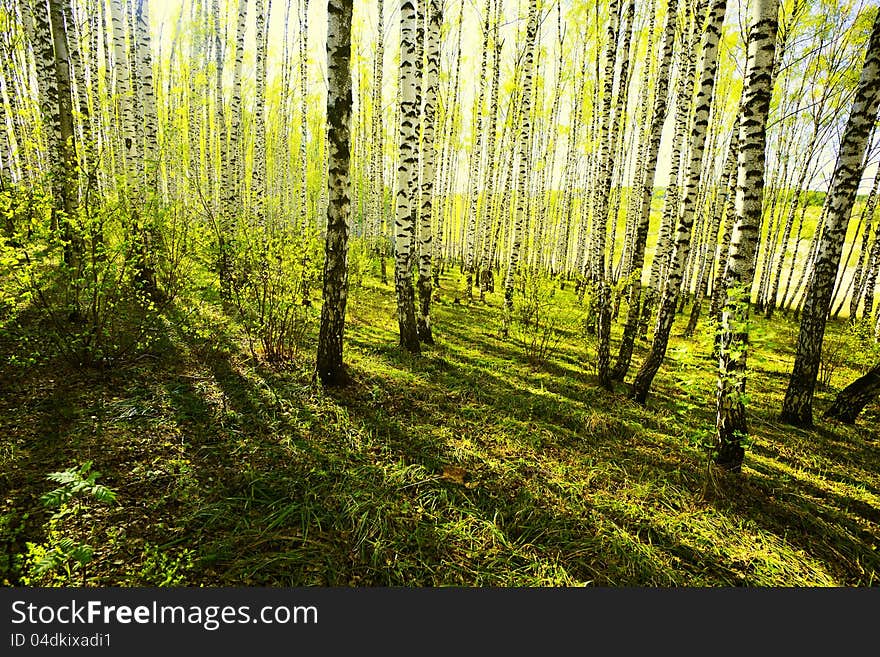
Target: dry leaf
(454, 474)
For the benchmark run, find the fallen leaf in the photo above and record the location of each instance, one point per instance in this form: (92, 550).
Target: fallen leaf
(454, 474)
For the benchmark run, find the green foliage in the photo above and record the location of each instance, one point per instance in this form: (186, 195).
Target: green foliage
(360, 263)
(100, 298)
(537, 322)
(60, 556)
(864, 348)
(853, 347)
(12, 529)
(466, 466)
(75, 481)
(161, 567)
(270, 291)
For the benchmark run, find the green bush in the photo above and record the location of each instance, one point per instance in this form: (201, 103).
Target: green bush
(100, 299)
(271, 279)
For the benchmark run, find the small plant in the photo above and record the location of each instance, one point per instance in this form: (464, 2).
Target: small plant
(536, 318)
(833, 356)
(163, 568)
(853, 346)
(11, 529)
(58, 558)
(270, 292)
(864, 349)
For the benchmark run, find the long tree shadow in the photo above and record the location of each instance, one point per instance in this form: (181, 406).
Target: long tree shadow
(845, 543)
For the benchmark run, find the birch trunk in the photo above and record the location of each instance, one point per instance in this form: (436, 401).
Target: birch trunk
(646, 191)
(431, 81)
(731, 427)
(669, 301)
(407, 178)
(523, 142)
(329, 365)
(797, 407)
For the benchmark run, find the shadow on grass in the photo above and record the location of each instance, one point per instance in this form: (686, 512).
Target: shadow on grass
(466, 466)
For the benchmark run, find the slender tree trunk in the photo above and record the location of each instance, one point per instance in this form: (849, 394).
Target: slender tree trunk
(865, 253)
(708, 255)
(643, 217)
(797, 407)
(147, 231)
(772, 296)
(669, 301)
(258, 182)
(66, 137)
(303, 8)
(841, 271)
(601, 274)
(483, 269)
(47, 89)
(329, 364)
(431, 81)
(731, 421)
(671, 197)
(407, 177)
(870, 282)
(525, 135)
(472, 201)
(377, 150)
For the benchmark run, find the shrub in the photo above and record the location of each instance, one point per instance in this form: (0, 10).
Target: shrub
(853, 346)
(536, 320)
(270, 292)
(99, 298)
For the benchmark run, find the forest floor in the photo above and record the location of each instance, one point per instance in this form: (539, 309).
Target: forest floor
(485, 461)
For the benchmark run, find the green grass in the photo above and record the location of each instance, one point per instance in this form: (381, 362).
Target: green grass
(473, 464)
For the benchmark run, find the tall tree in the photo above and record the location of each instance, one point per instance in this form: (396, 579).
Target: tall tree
(609, 128)
(329, 364)
(145, 227)
(65, 132)
(731, 421)
(39, 23)
(377, 150)
(684, 91)
(406, 196)
(473, 197)
(797, 407)
(259, 167)
(646, 193)
(870, 280)
(303, 7)
(431, 81)
(669, 301)
(523, 143)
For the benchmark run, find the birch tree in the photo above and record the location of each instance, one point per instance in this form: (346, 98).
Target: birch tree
(65, 136)
(734, 343)
(646, 192)
(406, 196)
(669, 301)
(431, 80)
(797, 407)
(329, 365)
(523, 142)
(258, 182)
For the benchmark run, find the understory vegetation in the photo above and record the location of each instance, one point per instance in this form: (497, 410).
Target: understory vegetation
(481, 462)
